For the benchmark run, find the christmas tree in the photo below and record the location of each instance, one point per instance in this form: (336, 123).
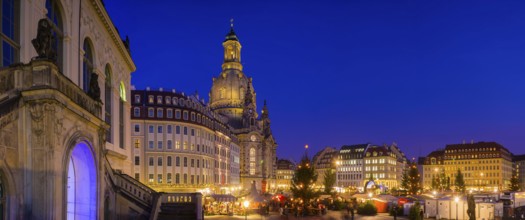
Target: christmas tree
(302, 181)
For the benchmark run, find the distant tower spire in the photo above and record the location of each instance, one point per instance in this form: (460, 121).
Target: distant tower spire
(231, 22)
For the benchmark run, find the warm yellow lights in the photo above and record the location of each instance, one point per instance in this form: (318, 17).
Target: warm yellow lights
(456, 199)
(246, 203)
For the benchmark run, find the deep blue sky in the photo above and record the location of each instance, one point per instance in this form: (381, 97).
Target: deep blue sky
(421, 73)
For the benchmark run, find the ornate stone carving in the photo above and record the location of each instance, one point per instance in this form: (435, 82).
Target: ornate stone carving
(44, 40)
(37, 115)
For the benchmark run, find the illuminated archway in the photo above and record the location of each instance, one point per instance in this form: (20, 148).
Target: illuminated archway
(81, 184)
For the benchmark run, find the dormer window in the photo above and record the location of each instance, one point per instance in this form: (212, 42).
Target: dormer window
(137, 98)
(168, 100)
(159, 99)
(150, 99)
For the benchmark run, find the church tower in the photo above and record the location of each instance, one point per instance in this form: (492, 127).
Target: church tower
(233, 96)
(230, 88)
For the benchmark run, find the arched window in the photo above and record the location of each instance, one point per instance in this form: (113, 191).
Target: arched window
(252, 161)
(241, 93)
(107, 103)
(222, 93)
(9, 26)
(87, 67)
(2, 200)
(122, 99)
(81, 190)
(169, 161)
(55, 18)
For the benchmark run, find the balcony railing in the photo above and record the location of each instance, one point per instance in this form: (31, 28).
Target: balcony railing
(42, 74)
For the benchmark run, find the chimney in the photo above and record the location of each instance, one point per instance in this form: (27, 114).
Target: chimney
(173, 90)
(161, 89)
(464, 142)
(472, 141)
(147, 88)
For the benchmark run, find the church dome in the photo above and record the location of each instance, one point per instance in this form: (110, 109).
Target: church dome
(228, 89)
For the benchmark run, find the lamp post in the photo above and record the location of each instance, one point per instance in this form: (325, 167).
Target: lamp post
(370, 196)
(457, 201)
(246, 205)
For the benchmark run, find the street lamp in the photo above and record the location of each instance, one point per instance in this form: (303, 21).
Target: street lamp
(246, 205)
(457, 201)
(370, 195)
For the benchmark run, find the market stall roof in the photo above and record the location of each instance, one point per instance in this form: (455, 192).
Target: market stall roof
(254, 195)
(223, 198)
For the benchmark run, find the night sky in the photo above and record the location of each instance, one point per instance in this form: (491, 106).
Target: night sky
(422, 74)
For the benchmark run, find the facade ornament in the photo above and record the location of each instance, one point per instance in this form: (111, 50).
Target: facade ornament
(43, 42)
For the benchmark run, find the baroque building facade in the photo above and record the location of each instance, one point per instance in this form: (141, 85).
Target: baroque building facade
(233, 96)
(284, 174)
(65, 150)
(181, 145)
(486, 166)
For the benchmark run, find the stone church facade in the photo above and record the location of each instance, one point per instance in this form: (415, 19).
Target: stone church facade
(233, 95)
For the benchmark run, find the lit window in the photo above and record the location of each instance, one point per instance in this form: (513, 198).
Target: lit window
(252, 161)
(177, 145)
(150, 99)
(168, 100)
(159, 99)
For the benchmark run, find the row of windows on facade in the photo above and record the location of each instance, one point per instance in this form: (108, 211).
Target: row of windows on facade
(380, 175)
(194, 179)
(184, 160)
(185, 116)
(168, 100)
(469, 175)
(169, 130)
(10, 54)
(472, 156)
(349, 176)
(471, 150)
(474, 162)
(380, 161)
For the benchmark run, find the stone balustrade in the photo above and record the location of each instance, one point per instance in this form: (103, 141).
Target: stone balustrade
(42, 74)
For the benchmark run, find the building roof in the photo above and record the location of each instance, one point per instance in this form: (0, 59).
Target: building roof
(231, 35)
(284, 164)
(353, 147)
(518, 157)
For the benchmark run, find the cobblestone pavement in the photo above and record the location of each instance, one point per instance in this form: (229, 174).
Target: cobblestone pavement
(330, 215)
